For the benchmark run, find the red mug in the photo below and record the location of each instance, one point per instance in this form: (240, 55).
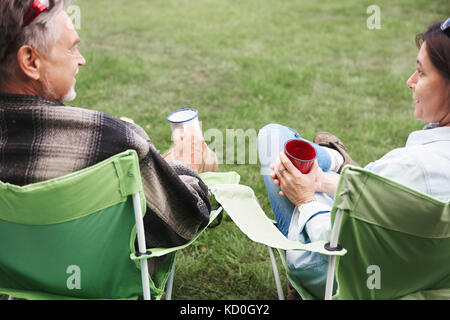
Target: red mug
(301, 153)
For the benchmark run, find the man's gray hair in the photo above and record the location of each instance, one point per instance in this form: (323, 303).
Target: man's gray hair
(40, 34)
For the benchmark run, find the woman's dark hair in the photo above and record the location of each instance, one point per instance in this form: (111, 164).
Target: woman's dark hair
(438, 48)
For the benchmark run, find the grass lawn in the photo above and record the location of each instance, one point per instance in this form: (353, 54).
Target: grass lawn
(310, 65)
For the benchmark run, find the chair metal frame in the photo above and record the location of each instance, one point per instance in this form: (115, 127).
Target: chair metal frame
(331, 263)
(143, 250)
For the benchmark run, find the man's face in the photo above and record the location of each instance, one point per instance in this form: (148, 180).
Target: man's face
(61, 63)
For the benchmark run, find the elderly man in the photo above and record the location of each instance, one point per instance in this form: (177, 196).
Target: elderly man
(40, 138)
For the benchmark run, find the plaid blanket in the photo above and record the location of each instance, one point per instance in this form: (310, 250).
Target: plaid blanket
(42, 139)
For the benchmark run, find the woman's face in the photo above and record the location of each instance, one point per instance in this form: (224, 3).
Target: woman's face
(431, 92)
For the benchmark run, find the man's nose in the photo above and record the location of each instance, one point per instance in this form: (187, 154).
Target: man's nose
(81, 60)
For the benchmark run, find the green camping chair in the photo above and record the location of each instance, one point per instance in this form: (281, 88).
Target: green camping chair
(396, 240)
(73, 237)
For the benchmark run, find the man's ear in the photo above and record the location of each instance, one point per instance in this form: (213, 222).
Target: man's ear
(29, 62)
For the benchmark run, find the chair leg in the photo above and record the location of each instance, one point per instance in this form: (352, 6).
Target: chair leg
(170, 281)
(332, 261)
(330, 278)
(141, 244)
(276, 274)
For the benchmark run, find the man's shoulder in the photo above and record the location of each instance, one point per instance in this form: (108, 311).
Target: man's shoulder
(85, 111)
(87, 116)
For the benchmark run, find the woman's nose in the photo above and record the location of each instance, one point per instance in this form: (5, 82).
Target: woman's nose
(411, 83)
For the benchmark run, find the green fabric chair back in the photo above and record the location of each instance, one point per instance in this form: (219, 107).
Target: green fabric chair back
(397, 240)
(71, 237)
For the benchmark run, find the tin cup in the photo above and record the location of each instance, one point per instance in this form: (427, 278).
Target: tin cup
(182, 119)
(301, 153)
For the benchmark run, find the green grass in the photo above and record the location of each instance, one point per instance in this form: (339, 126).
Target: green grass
(310, 65)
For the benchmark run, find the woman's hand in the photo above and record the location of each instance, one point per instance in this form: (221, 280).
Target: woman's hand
(298, 187)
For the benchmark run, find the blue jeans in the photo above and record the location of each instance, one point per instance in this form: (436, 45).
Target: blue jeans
(308, 268)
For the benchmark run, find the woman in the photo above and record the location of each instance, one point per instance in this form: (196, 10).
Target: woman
(302, 202)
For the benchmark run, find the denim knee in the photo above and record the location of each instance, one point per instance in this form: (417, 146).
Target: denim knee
(271, 140)
(272, 127)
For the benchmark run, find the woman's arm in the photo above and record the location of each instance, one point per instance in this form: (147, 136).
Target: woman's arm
(327, 182)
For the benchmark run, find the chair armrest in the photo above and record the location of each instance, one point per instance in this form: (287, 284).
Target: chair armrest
(159, 252)
(240, 203)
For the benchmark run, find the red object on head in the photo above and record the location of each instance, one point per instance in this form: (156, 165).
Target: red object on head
(36, 9)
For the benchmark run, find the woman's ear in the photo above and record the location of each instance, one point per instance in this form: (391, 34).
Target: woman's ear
(29, 62)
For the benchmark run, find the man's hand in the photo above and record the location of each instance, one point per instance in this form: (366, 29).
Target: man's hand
(127, 119)
(190, 147)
